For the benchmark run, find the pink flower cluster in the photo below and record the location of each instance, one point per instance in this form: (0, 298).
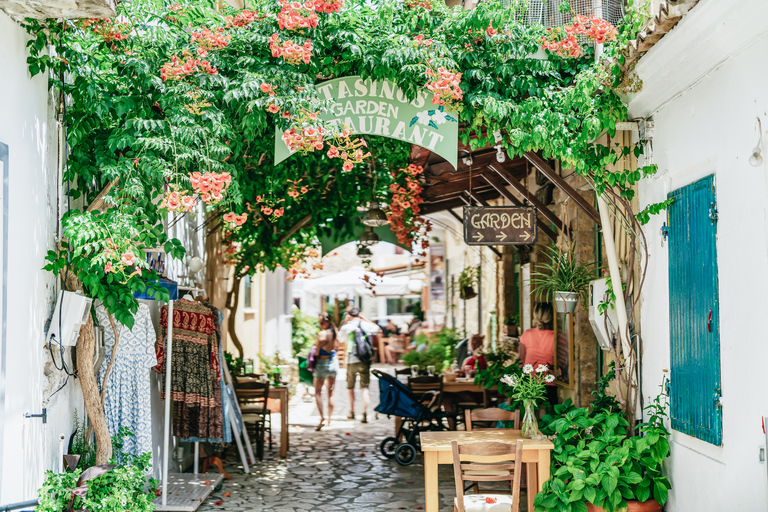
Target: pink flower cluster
(403, 215)
(426, 4)
(296, 15)
(210, 40)
(444, 86)
(243, 19)
(211, 185)
(304, 140)
(420, 41)
(349, 150)
(236, 220)
(178, 201)
(176, 70)
(563, 41)
(291, 52)
(328, 6)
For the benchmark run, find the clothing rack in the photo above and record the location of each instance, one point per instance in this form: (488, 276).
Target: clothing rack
(167, 422)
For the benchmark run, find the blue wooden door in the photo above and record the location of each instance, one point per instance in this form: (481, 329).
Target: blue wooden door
(694, 312)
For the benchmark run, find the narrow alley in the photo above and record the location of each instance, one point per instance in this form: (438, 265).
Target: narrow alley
(337, 468)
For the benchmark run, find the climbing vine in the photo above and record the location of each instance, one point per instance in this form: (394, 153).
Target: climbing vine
(176, 105)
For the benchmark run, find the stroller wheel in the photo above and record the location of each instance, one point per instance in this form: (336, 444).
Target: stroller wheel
(405, 454)
(388, 446)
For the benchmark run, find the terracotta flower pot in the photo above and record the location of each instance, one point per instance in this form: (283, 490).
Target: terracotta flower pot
(633, 506)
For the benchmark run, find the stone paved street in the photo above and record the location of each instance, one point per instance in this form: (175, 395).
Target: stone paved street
(338, 468)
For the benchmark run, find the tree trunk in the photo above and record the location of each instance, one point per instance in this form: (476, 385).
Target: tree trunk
(233, 298)
(86, 344)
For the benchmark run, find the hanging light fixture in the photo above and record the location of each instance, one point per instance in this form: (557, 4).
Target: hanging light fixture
(375, 216)
(369, 237)
(364, 252)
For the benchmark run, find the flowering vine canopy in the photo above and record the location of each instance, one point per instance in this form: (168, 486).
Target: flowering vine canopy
(173, 105)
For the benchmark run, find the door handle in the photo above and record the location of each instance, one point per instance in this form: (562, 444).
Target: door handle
(709, 321)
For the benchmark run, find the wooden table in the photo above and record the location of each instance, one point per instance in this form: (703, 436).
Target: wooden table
(281, 393)
(437, 450)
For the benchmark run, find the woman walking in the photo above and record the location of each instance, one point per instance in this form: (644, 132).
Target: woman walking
(326, 366)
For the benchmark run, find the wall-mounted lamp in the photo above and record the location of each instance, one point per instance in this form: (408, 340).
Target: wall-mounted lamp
(756, 160)
(500, 156)
(195, 264)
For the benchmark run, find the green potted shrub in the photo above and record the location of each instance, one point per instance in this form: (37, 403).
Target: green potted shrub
(565, 279)
(597, 467)
(467, 281)
(512, 325)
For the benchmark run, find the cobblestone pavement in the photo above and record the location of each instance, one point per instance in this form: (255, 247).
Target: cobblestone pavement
(339, 468)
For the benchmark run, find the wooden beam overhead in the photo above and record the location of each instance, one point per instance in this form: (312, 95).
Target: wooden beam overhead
(450, 188)
(501, 187)
(563, 185)
(439, 206)
(419, 155)
(546, 212)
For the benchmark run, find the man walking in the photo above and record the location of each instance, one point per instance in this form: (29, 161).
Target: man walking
(354, 327)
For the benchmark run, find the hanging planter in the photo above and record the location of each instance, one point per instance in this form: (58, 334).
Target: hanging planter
(467, 292)
(565, 280)
(565, 302)
(467, 281)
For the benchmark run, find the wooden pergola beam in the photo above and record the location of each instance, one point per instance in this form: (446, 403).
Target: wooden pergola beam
(496, 182)
(560, 183)
(523, 191)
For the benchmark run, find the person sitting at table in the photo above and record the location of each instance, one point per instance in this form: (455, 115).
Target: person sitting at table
(396, 343)
(477, 359)
(537, 345)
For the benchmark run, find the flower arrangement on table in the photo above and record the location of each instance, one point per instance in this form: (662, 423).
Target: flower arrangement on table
(529, 388)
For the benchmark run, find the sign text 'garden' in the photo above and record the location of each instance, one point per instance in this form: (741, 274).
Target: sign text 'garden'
(499, 225)
(380, 107)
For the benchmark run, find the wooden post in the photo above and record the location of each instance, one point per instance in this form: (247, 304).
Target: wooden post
(336, 310)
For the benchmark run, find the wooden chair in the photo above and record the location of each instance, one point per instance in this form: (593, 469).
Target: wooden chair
(492, 414)
(489, 462)
(425, 385)
(253, 395)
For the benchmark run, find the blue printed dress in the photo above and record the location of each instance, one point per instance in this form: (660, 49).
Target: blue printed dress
(127, 403)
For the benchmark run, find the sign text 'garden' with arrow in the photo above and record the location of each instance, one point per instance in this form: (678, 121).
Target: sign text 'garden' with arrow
(499, 225)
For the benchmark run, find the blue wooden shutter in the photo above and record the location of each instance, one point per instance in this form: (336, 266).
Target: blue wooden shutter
(694, 312)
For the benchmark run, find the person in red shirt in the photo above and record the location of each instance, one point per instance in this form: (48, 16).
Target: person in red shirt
(477, 357)
(537, 345)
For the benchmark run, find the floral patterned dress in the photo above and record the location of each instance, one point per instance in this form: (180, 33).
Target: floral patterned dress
(127, 403)
(195, 372)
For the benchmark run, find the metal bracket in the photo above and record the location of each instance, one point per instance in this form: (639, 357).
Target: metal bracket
(712, 213)
(664, 232)
(718, 398)
(43, 415)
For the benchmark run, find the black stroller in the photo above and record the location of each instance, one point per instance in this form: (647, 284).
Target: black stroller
(418, 416)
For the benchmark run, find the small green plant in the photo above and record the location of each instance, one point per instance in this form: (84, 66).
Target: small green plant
(564, 274)
(595, 461)
(512, 319)
(121, 485)
(467, 281)
(440, 350)
(234, 364)
(304, 331)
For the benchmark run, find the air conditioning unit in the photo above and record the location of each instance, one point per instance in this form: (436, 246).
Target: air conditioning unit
(605, 332)
(71, 313)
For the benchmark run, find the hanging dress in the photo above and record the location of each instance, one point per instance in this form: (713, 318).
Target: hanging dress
(195, 371)
(127, 403)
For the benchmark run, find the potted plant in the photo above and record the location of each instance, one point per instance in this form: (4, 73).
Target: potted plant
(597, 467)
(467, 280)
(511, 325)
(565, 279)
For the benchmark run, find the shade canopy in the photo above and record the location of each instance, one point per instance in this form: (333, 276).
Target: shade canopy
(352, 283)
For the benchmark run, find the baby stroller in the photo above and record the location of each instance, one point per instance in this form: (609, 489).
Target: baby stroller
(396, 399)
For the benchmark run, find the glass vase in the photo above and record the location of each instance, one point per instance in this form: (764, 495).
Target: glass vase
(530, 426)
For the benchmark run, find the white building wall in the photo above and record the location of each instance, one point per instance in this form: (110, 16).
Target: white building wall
(27, 378)
(709, 127)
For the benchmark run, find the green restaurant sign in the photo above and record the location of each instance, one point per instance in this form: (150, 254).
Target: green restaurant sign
(379, 107)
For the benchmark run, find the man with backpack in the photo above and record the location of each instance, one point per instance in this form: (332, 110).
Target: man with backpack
(357, 331)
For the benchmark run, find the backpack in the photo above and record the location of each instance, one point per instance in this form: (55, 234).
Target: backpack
(363, 345)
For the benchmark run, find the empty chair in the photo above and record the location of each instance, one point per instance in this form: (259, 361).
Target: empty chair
(491, 415)
(253, 396)
(489, 462)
